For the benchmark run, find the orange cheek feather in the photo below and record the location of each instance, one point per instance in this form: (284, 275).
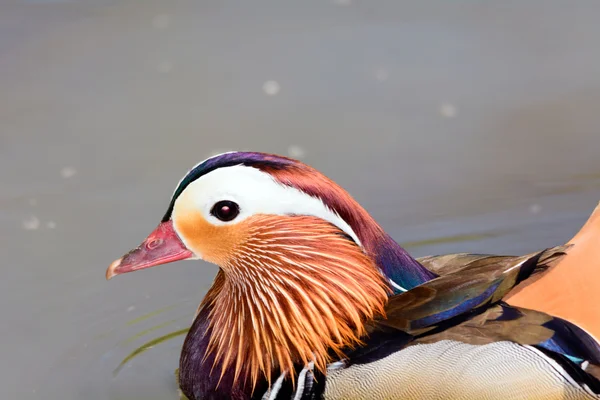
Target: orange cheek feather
(213, 243)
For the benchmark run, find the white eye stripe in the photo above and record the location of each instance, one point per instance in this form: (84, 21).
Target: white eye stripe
(256, 192)
(194, 167)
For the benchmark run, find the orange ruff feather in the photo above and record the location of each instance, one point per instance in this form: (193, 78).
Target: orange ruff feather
(293, 289)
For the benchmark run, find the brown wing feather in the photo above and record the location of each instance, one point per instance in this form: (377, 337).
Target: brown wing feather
(482, 280)
(451, 263)
(486, 328)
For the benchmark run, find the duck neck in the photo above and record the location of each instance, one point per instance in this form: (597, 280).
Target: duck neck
(402, 270)
(197, 366)
(394, 262)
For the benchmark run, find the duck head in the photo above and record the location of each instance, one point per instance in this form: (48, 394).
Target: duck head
(302, 264)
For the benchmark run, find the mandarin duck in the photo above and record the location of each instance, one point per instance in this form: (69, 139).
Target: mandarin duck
(313, 299)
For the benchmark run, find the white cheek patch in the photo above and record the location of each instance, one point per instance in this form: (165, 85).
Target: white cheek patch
(256, 192)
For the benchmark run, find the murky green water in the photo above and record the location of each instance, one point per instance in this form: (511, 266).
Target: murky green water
(461, 126)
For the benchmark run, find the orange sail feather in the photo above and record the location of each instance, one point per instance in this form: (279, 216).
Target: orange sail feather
(571, 289)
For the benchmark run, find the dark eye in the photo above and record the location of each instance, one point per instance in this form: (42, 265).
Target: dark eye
(225, 210)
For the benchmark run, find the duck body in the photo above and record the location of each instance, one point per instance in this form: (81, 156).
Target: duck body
(314, 300)
(476, 348)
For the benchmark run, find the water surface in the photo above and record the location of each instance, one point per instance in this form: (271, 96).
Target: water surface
(461, 126)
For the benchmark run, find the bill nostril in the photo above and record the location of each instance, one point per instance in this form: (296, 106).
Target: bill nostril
(154, 243)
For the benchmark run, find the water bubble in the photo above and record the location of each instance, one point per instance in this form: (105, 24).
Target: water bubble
(381, 74)
(130, 308)
(271, 88)
(31, 223)
(50, 224)
(68, 172)
(296, 152)
(448, 110)
(161, 21)
(164, 67)
(535, 208)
